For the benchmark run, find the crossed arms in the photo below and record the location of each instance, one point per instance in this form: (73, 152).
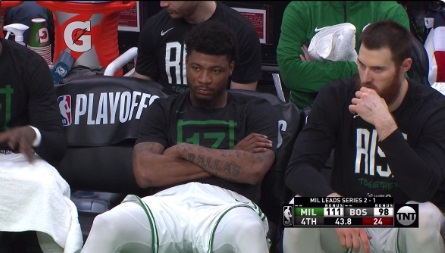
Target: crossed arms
(155, 166)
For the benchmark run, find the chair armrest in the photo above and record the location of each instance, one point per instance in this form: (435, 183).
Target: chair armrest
(120, 61)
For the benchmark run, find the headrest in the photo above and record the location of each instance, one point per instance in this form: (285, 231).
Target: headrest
(104, 110)
(288, 125)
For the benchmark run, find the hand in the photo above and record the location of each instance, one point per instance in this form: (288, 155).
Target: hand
(373, 109)
(351, 238)
(20, 138)
(368, 105)
(173, 151)
(306, 57)
(255, 143)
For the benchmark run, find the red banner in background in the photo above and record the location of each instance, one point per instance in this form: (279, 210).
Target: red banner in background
(258, 18)
(129, 20)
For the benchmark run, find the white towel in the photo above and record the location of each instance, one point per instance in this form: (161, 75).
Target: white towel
(35, 197)
(334, 43)
(440, 86)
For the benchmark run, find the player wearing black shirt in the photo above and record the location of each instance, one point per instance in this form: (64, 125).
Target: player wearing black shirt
(388, 135)
(161, 50)
(28, 98)
(34, 197)
(210, 149)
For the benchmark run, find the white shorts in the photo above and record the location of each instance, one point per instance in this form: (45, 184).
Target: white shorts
(189, 214)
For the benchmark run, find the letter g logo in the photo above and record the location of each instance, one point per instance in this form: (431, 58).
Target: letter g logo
(75, 36)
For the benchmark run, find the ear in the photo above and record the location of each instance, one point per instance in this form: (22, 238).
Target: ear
(231, 67)
(186, 59)
(406, 64)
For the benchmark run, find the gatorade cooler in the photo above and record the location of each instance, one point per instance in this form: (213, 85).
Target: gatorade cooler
(6, 5)
(87, 30)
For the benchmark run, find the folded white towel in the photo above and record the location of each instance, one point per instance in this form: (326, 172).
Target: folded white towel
(334, 43)
(35, 197)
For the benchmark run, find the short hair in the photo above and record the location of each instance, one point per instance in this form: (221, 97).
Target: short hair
(213, 38)
(388, 34)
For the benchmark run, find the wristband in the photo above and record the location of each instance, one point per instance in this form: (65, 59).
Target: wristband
(38, 138)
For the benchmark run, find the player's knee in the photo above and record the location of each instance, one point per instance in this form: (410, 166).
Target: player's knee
(248, 229)
(430, 217)
(103, 224)
(430, 221)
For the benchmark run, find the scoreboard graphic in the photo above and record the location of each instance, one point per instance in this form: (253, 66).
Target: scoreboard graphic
(349, 212)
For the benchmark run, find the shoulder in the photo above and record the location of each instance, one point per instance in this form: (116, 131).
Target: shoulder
(381, 7)
(340, 85)
(160, 17)
(169, 101)
(306, 6)
(337, 92)
(20, 53)
(425, 94)
(253, 100)
(157, 21)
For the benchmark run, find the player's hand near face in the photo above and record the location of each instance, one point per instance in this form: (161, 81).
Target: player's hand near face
(374, 110)
(255, 143)
(368, 105)
(352, 238)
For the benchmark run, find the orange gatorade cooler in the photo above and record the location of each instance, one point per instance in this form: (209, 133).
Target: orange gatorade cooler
(6, 5)
(87, 30)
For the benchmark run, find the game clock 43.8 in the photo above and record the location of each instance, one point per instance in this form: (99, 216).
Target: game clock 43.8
(342, 221)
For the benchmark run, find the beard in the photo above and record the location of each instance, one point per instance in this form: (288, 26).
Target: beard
(388, 93)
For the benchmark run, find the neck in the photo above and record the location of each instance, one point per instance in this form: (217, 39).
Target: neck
(202, 13)
(220, 101)
(403, 89)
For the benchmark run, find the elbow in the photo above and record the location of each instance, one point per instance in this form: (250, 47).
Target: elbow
(257, 173)
(419, 197)
(422, 194)
(143, 178)
(260, 168)
(255, 177)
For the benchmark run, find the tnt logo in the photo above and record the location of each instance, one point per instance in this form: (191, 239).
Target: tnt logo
(407, 215)
(287, 215)
(65, 109)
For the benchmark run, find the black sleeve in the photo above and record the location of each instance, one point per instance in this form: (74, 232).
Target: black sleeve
(154, 124)
(146, 60)
(44, 113)
(419, 171)
(313, 147)
(248, 62)
(263, 120)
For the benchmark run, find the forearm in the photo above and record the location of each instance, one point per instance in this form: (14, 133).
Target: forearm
(232, 165)
(385, 125)
(311, 76)
(157, 170)
(418, 176)
(243, 86)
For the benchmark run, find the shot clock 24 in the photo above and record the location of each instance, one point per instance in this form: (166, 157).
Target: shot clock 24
(349, 212)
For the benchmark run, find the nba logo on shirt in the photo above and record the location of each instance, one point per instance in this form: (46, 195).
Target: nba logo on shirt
(65, 109)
